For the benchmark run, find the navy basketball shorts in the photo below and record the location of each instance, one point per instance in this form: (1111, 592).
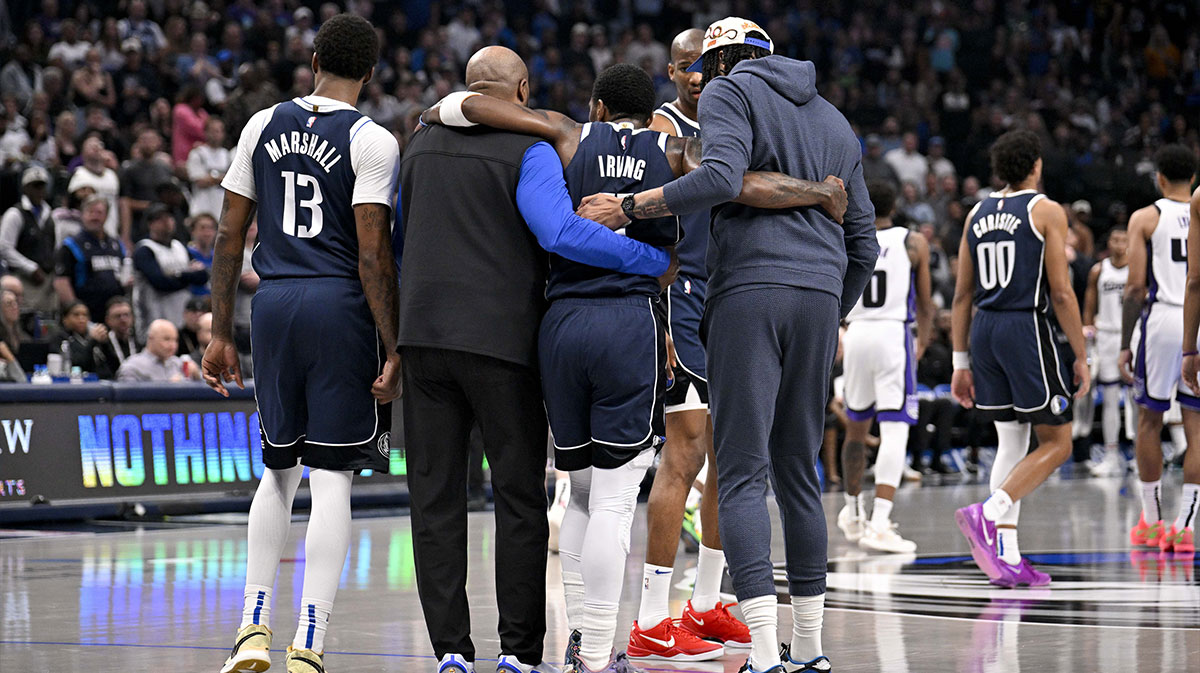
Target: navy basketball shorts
(685, 308)
(603, 363)
(1021, 370)
(316, 354)
(1158, 359)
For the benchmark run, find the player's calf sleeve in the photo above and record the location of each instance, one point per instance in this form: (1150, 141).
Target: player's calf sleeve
(270, 519)
(326, 543)
(1110, 421)
(893, 447)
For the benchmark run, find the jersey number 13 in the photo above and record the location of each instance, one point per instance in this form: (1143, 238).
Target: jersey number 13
(316, 219)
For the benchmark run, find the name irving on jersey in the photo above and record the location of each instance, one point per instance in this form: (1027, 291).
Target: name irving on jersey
(303, 143)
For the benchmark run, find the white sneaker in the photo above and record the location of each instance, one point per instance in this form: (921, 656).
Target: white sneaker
(851, 526)
(455, 663)
(910, 474)
(885, 539)
(510, 664)
(1112, 465)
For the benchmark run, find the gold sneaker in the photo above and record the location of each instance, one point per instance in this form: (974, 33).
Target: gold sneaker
(304, 661)
(251, 651)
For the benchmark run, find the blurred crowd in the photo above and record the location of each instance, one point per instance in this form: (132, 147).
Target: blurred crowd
(118, 116)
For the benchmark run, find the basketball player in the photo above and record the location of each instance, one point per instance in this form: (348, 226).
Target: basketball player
(881, 374)
(591, 341)
(1154, 296)
(1102, 308)
(322, 177)
(1012, 266)
(687, 453)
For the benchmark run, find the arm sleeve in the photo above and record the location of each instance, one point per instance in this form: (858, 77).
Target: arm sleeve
(728, 138)
(545, 204)
(10, 232)
(375, 157)
(145, 262)
(239, 179)
(862, 247)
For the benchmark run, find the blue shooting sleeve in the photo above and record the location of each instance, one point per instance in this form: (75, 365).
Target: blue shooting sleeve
(546, 206)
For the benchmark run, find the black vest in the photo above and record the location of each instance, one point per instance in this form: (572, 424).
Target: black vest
(473, 277)
(35, 242)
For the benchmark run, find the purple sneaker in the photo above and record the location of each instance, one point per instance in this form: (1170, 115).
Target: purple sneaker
(1022, 574)
(981, 533)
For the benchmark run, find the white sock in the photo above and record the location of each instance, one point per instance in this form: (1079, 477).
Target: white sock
(893, 448)
(325, 546)
(1189, 505)
(807, 614)
(710, 570)
(314, 618)
(1110, 418)
(256, 606)
(266, 535)
(1178, 438)
(656, 586)
(598, 628)
(1009, 548)
(761, 614)
(881, 513)
(857, 503)
(1152, 501)
(997, 505)
(573, 596)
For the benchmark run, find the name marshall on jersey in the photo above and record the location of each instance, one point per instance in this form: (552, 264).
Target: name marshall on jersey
(304, 143)
(996, 222)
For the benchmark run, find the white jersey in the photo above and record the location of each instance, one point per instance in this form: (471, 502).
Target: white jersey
(1167, 253)
(1110, 291)
(890, 294)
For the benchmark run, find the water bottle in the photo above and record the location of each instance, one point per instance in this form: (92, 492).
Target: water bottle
(76, 374)
(41, 376)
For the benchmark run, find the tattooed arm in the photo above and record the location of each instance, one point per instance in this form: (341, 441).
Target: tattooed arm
(221, 364)
(918, 256)
(377, 271)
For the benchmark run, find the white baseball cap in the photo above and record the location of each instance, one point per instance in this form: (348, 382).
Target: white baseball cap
(34, 174)
(731, 30)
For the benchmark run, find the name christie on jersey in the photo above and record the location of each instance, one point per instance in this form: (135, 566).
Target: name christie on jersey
(1002, 221)
(303, 143)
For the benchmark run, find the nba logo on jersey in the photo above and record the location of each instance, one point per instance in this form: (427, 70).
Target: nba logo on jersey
(311, 121)
(624, 143)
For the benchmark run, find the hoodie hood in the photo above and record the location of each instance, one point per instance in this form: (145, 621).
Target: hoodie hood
(792, 79)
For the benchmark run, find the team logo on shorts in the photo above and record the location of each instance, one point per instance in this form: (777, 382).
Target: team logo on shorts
(1059, 404)
(385, 444)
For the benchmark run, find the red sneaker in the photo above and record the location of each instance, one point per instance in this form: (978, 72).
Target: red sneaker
(669, 642)
(717, 624)
(1178, 541)
(1146, 534)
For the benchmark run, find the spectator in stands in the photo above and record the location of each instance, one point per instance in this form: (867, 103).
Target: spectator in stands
(936, 412)
(69, 52)
(10, 338)
(203, 228)
(939, 165)
(97, 174)
(21, 77)
(147, 32)
(188, 119)
(197, 66)
(15, 143)
(247, 286)
(68, 219)
(914, 208)
(91, 85)
(27, 241)
(383, 108)
(89, 265)
(115, 344)
(909, 164)
(158, 363)
(875, 167)
(31, 322)
(146, 168)
(137, 82)
(163, 271)
(206, 167)
(189, 329)
(1081, 224)
(203, 338)
(78, 337)
(170, 195)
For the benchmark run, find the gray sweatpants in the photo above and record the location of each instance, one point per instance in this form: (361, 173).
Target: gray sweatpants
(770, 351)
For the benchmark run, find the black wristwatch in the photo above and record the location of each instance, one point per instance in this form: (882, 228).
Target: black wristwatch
(627, 207)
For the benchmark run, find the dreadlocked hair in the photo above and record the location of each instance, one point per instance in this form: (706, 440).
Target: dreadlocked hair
(719, 62)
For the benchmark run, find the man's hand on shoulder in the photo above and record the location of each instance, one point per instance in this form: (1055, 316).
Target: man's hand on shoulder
(836, 199)
(604, 209)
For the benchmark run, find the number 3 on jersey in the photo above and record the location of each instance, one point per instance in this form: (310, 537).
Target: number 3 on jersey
(316, 219)
(996, 262)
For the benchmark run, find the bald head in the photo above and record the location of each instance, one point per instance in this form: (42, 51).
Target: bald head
(162, 339)
(686, 43)
(500, 73)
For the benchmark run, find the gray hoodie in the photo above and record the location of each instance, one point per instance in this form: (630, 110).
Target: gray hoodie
(766, 116)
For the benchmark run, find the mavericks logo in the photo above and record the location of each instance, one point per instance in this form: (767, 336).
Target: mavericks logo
(1059, 404)
(385, 444)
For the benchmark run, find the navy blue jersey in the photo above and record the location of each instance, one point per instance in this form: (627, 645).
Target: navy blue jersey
(615, 159)
(307, 162)
(1008, 253)
(694, 246)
